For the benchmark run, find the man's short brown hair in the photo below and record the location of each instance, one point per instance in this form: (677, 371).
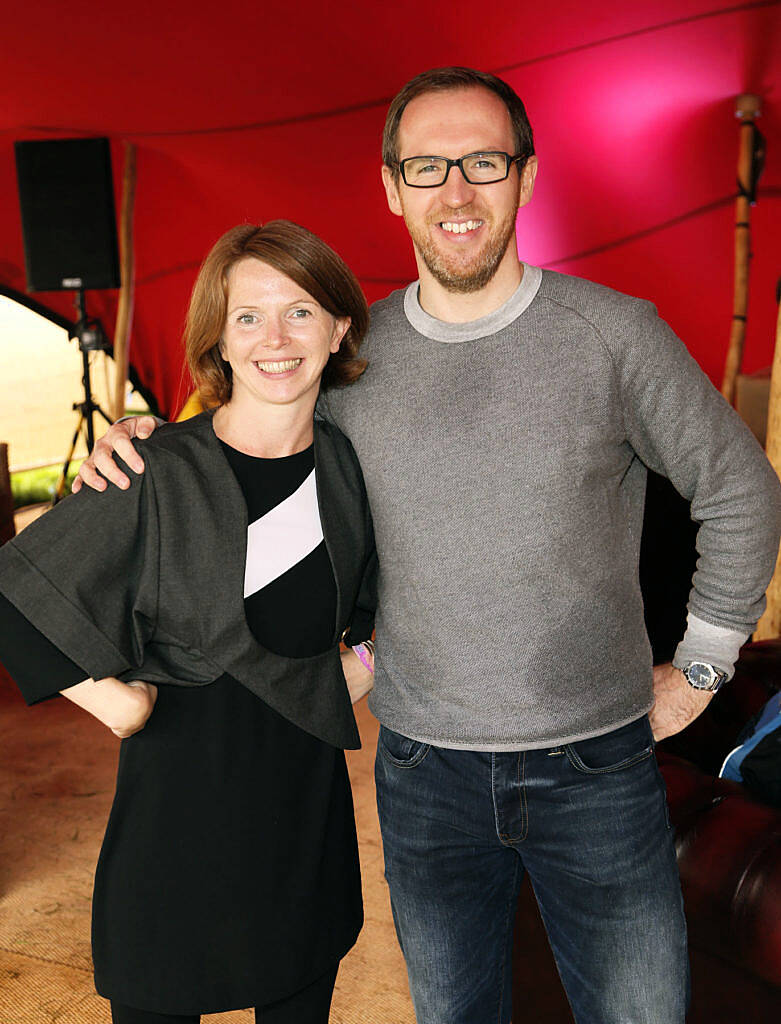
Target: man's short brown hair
(304, 258)
(444, 80)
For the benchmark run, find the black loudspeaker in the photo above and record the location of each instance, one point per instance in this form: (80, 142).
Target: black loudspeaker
(66, 194)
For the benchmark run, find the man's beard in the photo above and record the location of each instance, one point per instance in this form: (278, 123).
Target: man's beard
(464, 275)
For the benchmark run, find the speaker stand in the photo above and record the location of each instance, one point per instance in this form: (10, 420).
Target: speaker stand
(91, 338)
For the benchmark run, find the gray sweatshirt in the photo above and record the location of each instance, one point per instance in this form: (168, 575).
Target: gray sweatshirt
(505, 461)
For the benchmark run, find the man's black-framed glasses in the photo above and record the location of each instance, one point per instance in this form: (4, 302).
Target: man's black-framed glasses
(477, 168)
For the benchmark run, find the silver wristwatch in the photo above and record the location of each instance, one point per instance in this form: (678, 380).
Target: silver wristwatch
(703, 676)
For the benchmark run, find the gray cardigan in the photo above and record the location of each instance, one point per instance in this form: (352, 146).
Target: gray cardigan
(148, 583)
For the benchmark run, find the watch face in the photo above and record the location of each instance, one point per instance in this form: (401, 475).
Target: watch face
(701, 675)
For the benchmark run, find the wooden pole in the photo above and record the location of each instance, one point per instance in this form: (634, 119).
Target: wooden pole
(769, 625)
(7, 527)
(127, 291)
(747, 107)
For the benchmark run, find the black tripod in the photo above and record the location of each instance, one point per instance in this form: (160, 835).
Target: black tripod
(91, 338)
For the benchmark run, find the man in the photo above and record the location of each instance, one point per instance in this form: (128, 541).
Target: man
(504, 426)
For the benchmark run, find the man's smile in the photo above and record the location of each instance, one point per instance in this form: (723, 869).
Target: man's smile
(460, 227)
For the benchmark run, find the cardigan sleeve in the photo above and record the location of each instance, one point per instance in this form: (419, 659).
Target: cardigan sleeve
(38, 668)
(362, 621)
(85, 576)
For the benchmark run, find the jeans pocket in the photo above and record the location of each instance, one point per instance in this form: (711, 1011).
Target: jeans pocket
(400, 750)
(614, 751)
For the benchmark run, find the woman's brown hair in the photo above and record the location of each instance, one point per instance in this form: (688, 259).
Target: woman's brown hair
(305, 259)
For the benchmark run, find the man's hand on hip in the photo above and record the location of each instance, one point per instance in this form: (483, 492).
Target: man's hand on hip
(116, 439)
(676, 703)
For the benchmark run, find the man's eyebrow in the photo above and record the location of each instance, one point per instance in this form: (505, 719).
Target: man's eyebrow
(441, 156)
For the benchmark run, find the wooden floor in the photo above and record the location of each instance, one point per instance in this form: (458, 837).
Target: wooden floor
(57, 768)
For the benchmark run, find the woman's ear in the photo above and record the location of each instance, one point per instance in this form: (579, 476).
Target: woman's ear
(341, 327)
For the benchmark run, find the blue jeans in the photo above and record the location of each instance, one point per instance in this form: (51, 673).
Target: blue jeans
(588, 821)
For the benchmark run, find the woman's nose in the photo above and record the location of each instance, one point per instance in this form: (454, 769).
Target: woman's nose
(276, 335)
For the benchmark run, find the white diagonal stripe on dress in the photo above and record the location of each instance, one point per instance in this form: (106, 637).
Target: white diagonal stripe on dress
(282, 537)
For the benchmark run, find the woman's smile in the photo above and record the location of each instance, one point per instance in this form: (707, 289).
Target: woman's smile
(278, 368)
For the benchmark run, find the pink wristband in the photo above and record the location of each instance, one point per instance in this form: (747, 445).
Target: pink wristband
(363, 654)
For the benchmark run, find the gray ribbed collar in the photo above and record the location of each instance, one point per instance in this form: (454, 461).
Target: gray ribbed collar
(441, 330)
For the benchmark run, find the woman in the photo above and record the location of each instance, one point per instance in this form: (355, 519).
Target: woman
(208, 600)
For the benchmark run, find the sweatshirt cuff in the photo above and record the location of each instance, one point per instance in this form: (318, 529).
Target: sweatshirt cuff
(715, 645)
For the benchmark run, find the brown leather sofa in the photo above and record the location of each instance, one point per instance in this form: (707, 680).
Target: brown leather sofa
(729, 855)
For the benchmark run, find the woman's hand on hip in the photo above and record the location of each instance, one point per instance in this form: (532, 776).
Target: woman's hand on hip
(359, 678)
(122, 707)
(134, 713)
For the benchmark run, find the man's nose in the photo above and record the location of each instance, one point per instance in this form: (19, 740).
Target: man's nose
(456, 190)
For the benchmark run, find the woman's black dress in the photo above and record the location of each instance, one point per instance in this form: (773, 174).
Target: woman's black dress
(228, 875)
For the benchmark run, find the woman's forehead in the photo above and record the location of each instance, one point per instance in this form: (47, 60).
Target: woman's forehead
(251, 278)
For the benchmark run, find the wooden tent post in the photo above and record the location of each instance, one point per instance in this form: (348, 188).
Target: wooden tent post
(126, 294)
(747, 107)
(769, 625)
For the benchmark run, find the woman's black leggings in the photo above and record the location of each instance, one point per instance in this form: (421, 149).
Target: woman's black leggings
(309, 1005)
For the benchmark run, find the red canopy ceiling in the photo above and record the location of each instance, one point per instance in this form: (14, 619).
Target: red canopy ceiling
(632, 105)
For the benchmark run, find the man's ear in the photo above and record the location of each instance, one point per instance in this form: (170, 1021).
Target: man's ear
(528, 177)
(390, 181)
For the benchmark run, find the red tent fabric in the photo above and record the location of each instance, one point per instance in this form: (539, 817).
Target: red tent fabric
(249, 112)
